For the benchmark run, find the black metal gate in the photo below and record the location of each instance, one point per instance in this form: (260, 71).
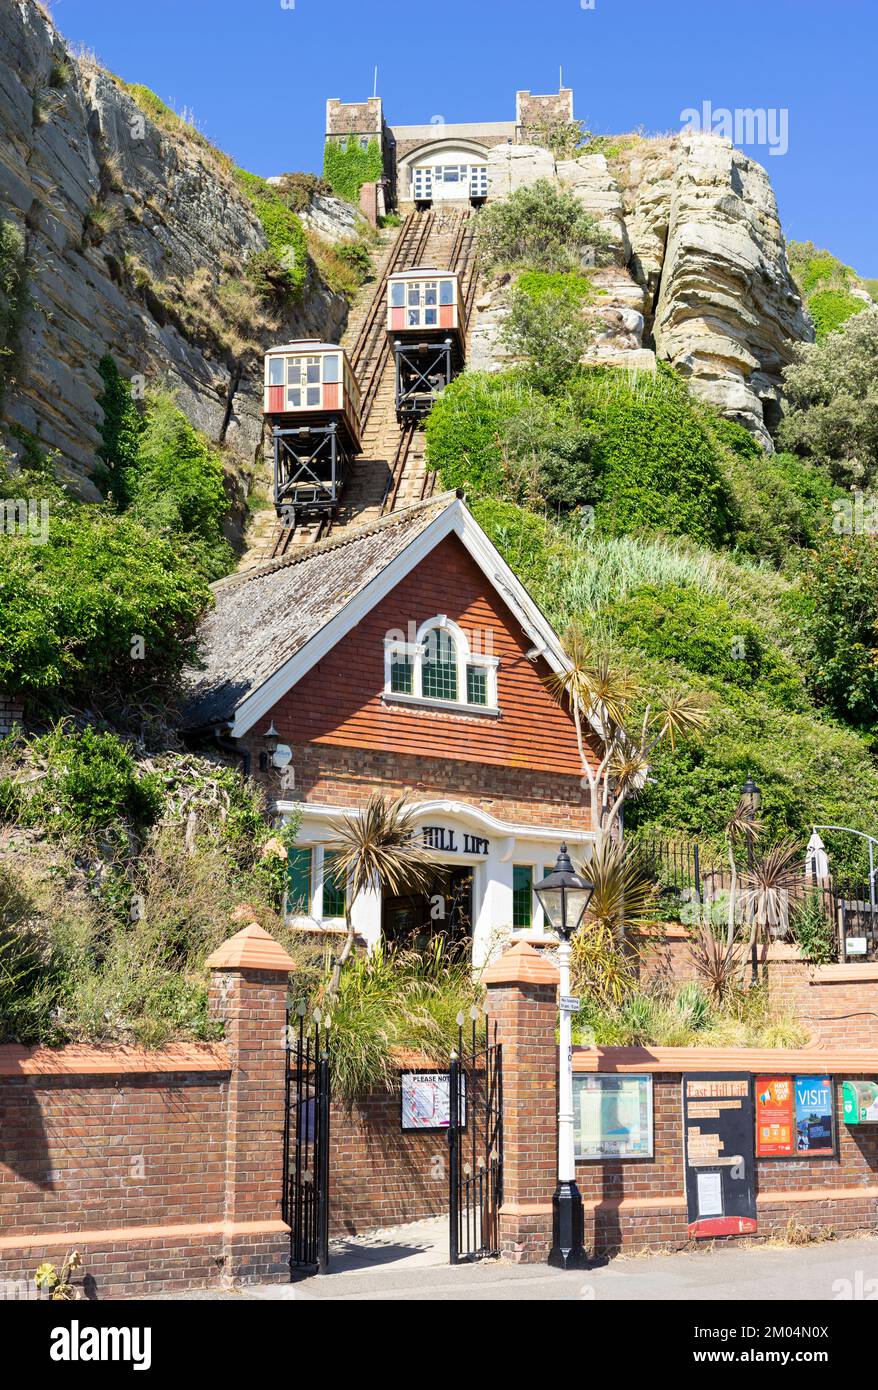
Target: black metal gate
(475, 1143)
(305, 1202)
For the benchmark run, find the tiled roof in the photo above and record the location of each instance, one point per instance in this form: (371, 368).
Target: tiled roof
(263, 617)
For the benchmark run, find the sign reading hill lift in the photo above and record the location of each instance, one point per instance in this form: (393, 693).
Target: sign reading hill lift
(720, 1165)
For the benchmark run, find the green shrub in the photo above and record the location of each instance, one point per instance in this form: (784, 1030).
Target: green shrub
(121, 429)
(175, 486)
(842, 587)
(538, 227)
(13, 295)
(347, 167)
(546, 326)
(298, 190)
(72, 611)
(92, 784)
(832, 390)
(810, 772)
(831, 308)
(704, 634)
(356, 255)
(284, 265)
(812, 929)
(466, 427)
(495, 434)
(573, 288)
(779, 501)
(655, 459)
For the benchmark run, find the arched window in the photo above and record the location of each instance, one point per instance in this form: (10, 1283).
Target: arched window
(442, 666)
(439, 666)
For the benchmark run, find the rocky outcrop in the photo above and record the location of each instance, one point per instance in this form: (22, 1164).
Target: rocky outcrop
(698, 273)
(728, 314)
(127, 226)
(334, 219)
(517, 166)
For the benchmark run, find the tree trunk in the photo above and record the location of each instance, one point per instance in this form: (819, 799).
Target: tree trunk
(343, 957)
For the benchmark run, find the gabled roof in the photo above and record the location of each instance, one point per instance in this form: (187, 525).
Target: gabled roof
(271, 625)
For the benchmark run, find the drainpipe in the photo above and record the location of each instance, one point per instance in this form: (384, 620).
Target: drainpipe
(227, 745)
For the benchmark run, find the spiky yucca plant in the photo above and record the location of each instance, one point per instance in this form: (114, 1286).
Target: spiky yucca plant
(380, 848)
(716, 962)
(775, 880)
(602, 967)
(610, 699)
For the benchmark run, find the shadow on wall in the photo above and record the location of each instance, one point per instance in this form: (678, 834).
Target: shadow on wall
(24, 1141)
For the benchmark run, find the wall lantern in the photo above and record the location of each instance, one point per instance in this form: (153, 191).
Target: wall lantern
(270, 738)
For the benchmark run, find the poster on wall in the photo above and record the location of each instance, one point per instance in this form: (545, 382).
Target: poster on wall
(426, 1100)
(613, 1116)
(775, 1117)
(815, 1117)
(718, 1123)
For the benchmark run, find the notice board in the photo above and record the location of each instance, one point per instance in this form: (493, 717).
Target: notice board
(720, 1166)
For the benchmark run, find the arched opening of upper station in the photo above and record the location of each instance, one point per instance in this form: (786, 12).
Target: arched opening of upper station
(441, 171)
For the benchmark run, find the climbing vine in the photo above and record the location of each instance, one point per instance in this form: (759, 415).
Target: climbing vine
(347, 167)
(13, 294)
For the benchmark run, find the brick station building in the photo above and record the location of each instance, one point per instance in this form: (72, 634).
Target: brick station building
(402, 657)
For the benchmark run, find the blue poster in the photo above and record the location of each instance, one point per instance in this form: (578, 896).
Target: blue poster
(815, 1118)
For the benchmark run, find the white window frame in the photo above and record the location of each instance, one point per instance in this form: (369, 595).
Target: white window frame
(395, 648)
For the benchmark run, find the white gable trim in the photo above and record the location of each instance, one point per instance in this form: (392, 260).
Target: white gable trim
(457, 520)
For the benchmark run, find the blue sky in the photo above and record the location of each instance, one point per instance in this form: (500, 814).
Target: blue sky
(256, 73)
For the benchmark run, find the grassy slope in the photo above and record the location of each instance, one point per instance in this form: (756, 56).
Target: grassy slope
(825, 284)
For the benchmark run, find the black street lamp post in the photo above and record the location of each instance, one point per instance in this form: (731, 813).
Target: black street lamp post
(751, 797)
(565, 897)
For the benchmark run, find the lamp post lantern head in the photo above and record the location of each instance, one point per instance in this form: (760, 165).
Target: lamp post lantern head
(751, 796)
(564, 895)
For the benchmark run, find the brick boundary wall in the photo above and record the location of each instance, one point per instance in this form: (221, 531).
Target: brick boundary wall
(839, 1003)
(161, 1168)
(640, 1203)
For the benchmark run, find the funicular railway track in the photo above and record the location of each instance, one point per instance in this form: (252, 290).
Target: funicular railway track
(392, 470)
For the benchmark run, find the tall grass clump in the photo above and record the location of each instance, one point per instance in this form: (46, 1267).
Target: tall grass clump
(393, 1002)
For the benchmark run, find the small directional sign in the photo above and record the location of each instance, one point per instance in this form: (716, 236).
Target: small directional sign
(571, 1003)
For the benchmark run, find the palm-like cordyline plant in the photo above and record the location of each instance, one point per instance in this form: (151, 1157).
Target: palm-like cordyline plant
(622, 897)
(608, 697)
(768, 887)
(715, 961)
(379, 849)
(741, 825)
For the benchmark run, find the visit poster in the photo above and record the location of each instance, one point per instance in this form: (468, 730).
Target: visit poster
(775, 1117)
(815, 1116)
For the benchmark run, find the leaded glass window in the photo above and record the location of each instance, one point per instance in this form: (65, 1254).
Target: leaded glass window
(439, 667)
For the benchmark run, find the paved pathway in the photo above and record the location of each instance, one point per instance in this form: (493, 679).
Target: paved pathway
(410, 1263)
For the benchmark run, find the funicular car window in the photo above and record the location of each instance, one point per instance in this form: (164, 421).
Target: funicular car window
(397, 295)
(330, 368)
(414, 293)
(294, 371)
(313, 371)
(446, 292)
(275, 371)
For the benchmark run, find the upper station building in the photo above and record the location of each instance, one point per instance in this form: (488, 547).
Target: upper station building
(441, 161)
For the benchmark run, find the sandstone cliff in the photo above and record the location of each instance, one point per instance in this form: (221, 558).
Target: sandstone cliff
(134, 236)
(699, 272)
